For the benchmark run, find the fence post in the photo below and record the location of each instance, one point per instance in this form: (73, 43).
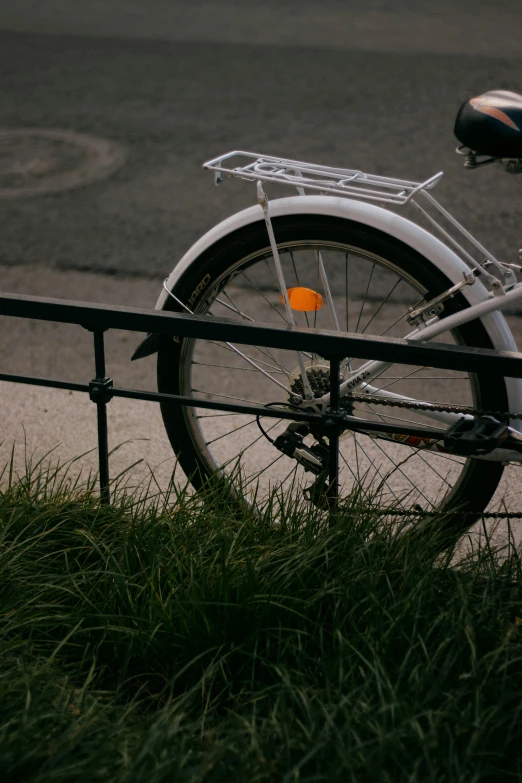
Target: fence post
(99, 392)
(333, 423)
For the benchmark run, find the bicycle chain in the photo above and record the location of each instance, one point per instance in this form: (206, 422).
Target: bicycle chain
(430, 406)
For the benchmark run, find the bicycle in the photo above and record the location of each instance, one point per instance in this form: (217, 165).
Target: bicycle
(336, 256)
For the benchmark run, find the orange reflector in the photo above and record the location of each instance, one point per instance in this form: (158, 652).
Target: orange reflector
(304, 299)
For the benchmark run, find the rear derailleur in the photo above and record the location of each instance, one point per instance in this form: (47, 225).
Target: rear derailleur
(313, 459)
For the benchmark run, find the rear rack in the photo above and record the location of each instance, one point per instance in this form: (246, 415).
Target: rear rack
(310, 176)
(355, 184)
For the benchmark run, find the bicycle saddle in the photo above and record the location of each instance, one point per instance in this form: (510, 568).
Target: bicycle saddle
(491, 124)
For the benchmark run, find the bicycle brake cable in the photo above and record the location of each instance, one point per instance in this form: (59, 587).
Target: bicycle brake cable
(273, 405)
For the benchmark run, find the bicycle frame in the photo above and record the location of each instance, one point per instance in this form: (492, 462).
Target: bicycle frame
(360, 379)
(347, 193)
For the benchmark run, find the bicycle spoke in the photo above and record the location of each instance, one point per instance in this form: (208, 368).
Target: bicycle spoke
(224, 396)
(214, 415)
(231, 432)
(279, 313)
(400, 318)
(396, 380)
(443, 478)
(293, 470)
(389, 418)
(377, 470)
(231, 367)
(299, 284)
(328, 293)
(399, 468)
(364, 300)
(439, 454)
(232, 306)
(356, 477)
(300, 354)
(258, 368)
(418, 378)
(261, 436)
(406, 375)
(381, 305)
(228, 347)
(417, 451)
(267, 467)
(356, 444)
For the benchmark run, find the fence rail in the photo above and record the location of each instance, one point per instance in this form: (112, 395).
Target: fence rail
(331, 345)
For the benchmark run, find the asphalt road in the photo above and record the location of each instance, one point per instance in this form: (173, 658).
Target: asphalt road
(374, 86)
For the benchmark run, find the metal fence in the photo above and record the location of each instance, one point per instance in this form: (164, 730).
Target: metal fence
(333, 346)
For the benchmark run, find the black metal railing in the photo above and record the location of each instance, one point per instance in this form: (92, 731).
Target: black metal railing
(333, 346)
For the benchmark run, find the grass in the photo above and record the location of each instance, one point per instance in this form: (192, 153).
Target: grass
(172, 640)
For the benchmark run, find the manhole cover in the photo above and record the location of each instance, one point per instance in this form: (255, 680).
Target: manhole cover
(36, 161)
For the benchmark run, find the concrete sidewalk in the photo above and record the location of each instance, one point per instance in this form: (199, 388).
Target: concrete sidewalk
(40, 420)
(45, 419)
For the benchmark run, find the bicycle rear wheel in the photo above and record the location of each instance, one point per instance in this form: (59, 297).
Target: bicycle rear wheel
(373, 280)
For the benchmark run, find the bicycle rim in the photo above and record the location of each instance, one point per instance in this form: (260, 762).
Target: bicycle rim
(364, 287)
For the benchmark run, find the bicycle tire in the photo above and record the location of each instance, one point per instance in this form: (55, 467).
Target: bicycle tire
(222, 267)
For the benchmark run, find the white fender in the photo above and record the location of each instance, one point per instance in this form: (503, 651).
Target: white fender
(390, 223)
